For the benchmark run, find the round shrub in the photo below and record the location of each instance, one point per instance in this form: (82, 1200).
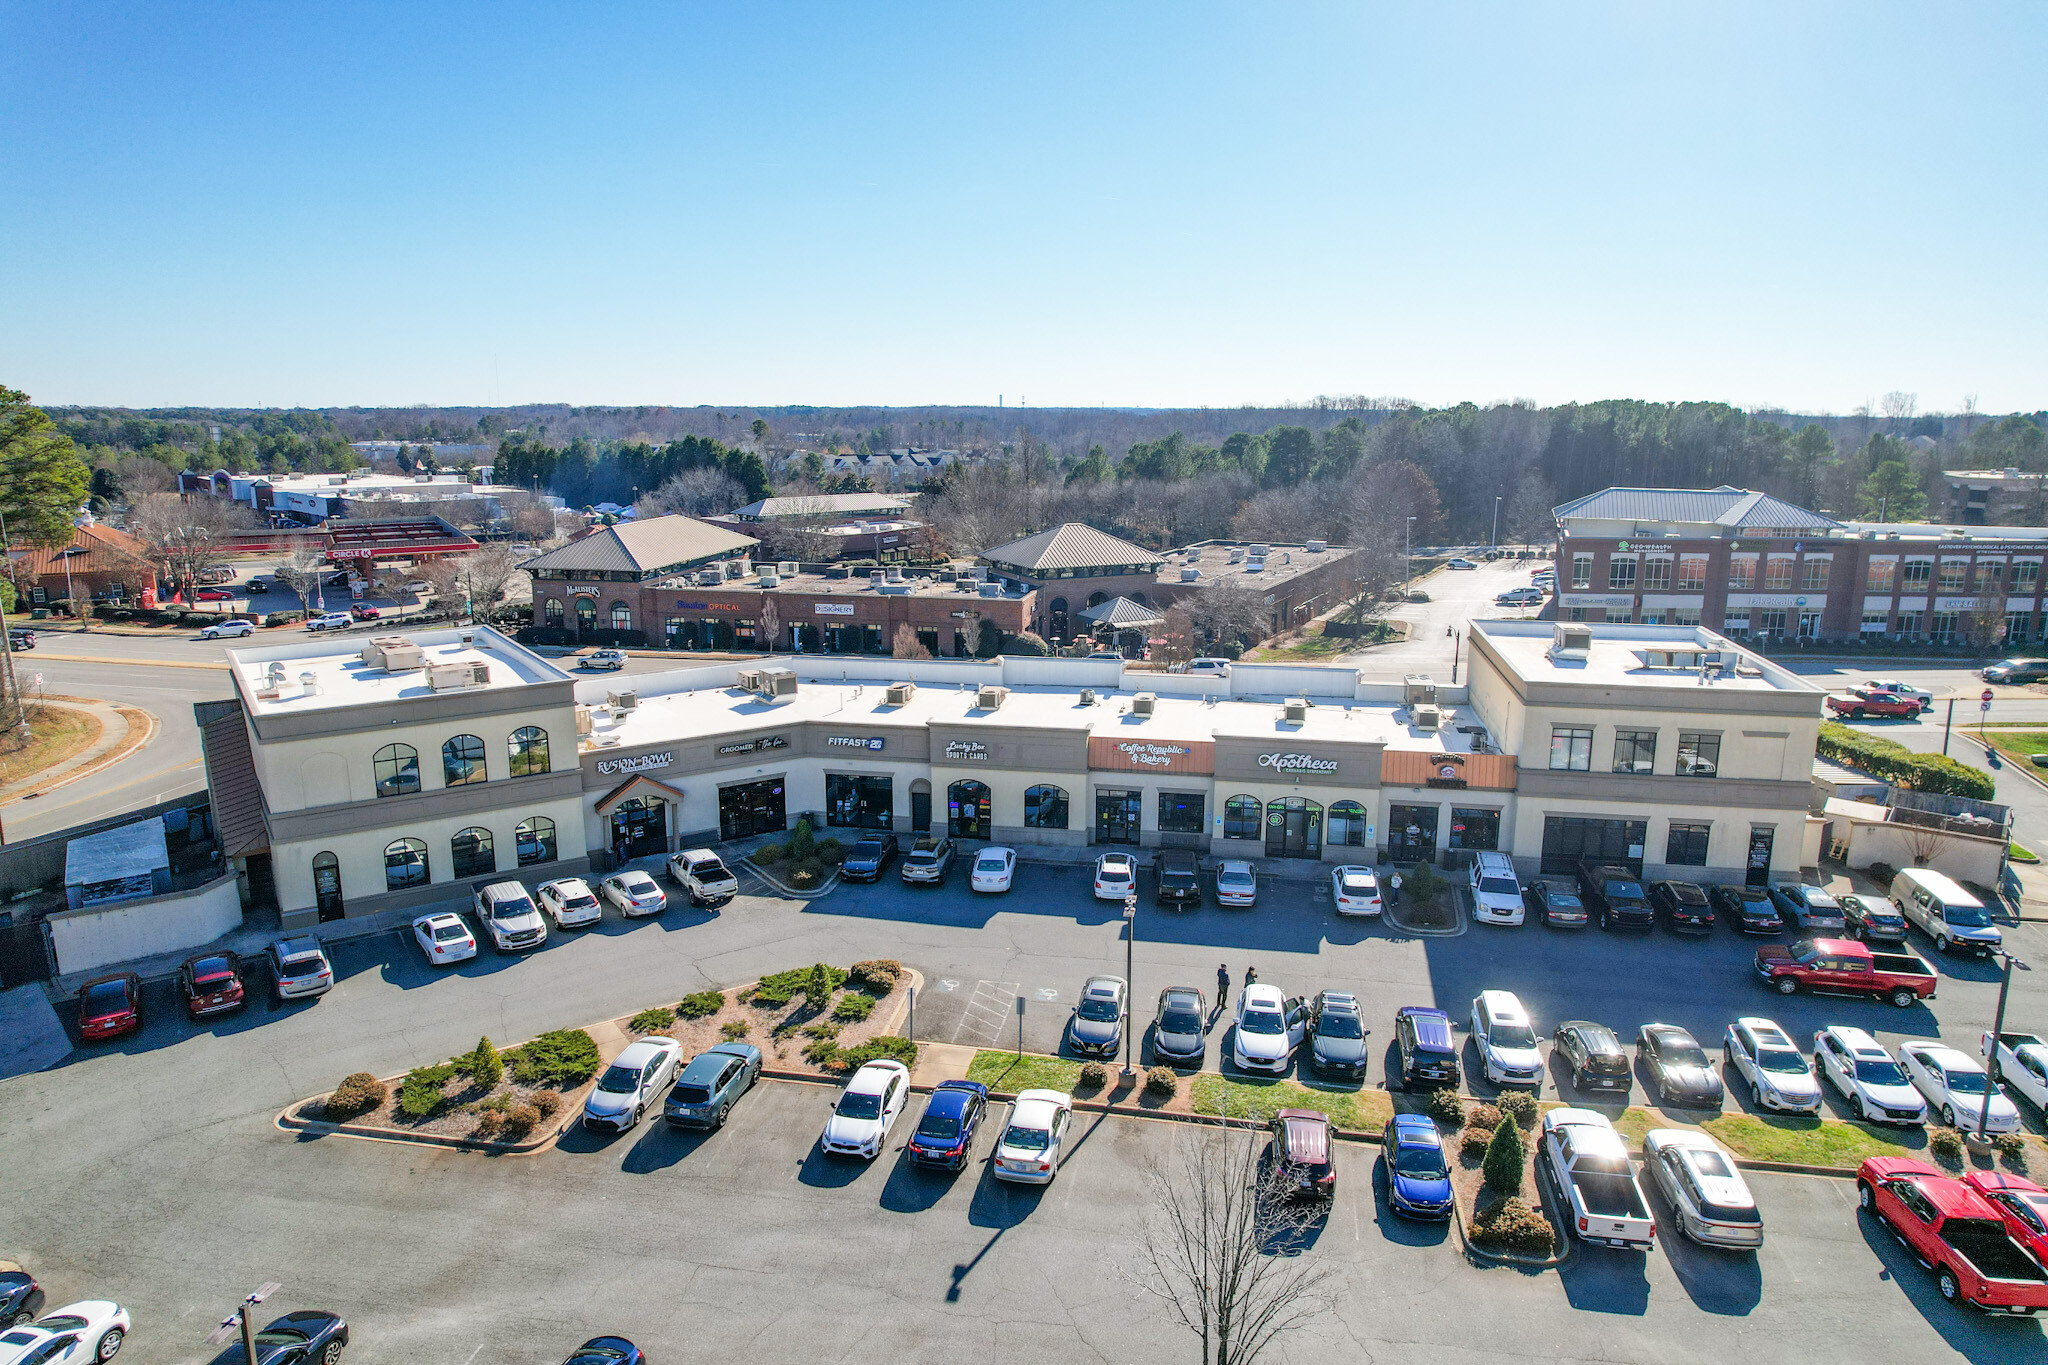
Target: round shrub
(489, 1124)
(766, 854)
(877, 976)
(700, 1004)
(1512, 1225)
(1505, 1157)
(519, 1122)
(652, 1020)
(1445, 1106)
(2011, 1146)
(1094, 1075)
(852, 1008)
(358, 1094)
(1473, 1141)
(803, 842)
(1945, 1145)
(732, 1030)
(1522, 1108)
(548, 1102)
(1485, 1116)
(1162, 1080)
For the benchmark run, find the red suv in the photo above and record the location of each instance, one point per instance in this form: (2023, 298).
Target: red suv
(110, 1006)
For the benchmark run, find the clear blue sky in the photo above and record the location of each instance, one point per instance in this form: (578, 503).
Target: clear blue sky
(1794, 204)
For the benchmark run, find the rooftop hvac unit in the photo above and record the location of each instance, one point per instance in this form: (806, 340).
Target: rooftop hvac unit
(787, 568)
(1571, 641)
(877, 576)
(1295, 709)
(1418, 688)
(776, 684)
(1087, 696)
(991, 590)
(735, 568)
(769, 580)
(582, 720)
(1255, 566)
(1145, 704)
(749, 680)
(457, 676)
(392, 653)
(990, 698)
(1316, 547)
(1237, 556)
(1425, 717)
(895, 575)
(628, 700)
(1258, 551)
(966, 584)
(899, 694)
(1190, 575)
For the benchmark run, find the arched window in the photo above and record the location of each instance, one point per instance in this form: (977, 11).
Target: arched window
(462, 761)
(405, 864)
(473, 854)
(586, 614)
(398, 770)
(1241, 818)
(1346, 827)
(535, 838)
(1045, 808)
(553, 612)
(622, 616)
(1096, 599)
(529, 747)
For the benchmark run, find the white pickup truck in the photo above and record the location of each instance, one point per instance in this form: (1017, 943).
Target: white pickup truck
(708, 881)
(2022, 1064)
(1589, 1163)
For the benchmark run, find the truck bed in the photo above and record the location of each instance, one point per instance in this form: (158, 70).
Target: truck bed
(1899, 964)
(1609, 1196)
(1987, 1246)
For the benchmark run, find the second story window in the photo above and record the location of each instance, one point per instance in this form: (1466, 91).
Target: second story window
(1778, 573)
(462, 761)
(1621, 573)
(2026, 577)
(1699, 753)
(1571, 748)
(529, 750)
(1990, 577)
(1954, 573)
(1813, 575)
(1917, 573)
(1692, 573)
(1656, 575)
(397, 769)
(1881, 575)
(1742, 574)
(1635, 751)
(1582, 571)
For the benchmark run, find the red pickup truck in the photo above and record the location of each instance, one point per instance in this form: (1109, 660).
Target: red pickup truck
(1859, 702)
(1955, 1231)
(1845, 966)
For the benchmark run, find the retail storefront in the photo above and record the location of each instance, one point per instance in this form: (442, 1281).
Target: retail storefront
(1442, 807)
(746, 809)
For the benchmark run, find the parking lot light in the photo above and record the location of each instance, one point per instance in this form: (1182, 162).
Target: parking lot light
(1997, 1027)
(1130, 957)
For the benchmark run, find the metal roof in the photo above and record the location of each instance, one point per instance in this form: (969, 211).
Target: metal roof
(640, 546)
(231, 781)
(132, 850)
(820, 505)
(1071, 545)
(1723, 506)
(1122, 611)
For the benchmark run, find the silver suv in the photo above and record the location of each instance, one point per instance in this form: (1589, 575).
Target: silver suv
(927, 862)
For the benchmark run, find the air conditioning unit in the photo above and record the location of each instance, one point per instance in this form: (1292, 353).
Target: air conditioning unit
(749, 680)
(788, 568)
(1237, 556)
(392, 654)
(877, 577)
(1424, 716)
(1258, 551)
(776, 684)
(991, 590)
(895, 575)
(1295, 709)
(990, 698)
(769, 580)
(1571, 640)
(583, 722)
(1087, 696)
(1316, 547)
(1255, 566)
(1418, 688)
(1190, 575)
(457, 676)
(899, 694)
(1144, 704)
(628, 700)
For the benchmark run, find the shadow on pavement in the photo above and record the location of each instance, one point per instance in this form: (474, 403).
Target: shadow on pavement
(831, 1172)
(662, 1146)
(1717, 1279)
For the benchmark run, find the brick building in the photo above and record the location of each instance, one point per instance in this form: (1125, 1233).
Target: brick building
(99, 563)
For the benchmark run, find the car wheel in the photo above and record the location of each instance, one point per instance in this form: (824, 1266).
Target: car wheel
(723, 1110)
(1903, 998)
(1941, 943)
(1950, 1290)
(1788, 985)
(1865, 1199)
(109, 1344)
(331, 1354)
(1862, 1109)
(21, 1319)
(1948, 1115)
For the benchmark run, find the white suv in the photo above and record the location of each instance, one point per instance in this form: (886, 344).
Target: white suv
(1876, 1087)
(1506, 1040)
(1496, 894)
(333, 620)
(1116, 876)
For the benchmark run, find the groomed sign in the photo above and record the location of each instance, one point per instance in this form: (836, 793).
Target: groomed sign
(1297, 763)
(642, 763)
(754, 746)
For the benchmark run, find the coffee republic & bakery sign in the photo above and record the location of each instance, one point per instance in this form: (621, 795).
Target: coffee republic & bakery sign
(1152, 755)
(1297, 763)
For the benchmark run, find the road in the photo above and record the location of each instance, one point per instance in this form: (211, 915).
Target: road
(1436, 627)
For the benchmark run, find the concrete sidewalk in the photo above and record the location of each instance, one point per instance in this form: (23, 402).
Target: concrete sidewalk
(31, 1038)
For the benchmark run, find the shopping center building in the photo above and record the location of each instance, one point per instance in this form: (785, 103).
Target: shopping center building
(399, 771)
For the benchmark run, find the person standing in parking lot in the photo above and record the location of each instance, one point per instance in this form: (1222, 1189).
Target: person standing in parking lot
(1222, 984)
(1251, 976)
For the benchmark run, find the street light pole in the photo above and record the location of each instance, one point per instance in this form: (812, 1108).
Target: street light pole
(1130, 959)
(1407, 559)
(1997, 1027)
(1496, 521)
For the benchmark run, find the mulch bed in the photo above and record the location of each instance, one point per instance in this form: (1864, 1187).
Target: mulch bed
(464, 1105)
(1468, 1183)
(782, 1031)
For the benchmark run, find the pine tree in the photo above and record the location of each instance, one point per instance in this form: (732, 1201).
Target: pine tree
(1505, 1157)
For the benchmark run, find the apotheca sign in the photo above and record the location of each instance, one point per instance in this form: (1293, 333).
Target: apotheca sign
(1153, 755)
(754, 746)
(967, 748)
(1297, 763)
(854, 741)
(642, 764)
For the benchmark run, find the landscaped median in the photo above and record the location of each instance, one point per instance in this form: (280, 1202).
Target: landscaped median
(813, 1021)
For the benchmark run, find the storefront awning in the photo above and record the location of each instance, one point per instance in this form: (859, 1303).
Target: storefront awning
(1122, 613)
(638, 785)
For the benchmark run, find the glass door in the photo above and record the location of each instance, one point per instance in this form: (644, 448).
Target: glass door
(1118, 816)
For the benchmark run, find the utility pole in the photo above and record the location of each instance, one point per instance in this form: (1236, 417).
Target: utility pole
(1997, 1027)
(7, 640)
(1496, 522)
(1946, 724)
(240, 1319)
(1407, 559)
(1130, 955)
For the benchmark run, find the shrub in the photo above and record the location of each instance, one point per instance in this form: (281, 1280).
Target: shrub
(831, 852)
(549, 1102)
(819, 983)
(822, 1029)
(1948, 777)
(700, 1004)
(805, 874)
(1485, 1116)
(564, 1059)
(482, 1065)
(358, 1094)
(1505, 1157)
(1162, 1080)
(1026, 643)
(732, 1030)
(1472, 1141)
(767, 854)
(1423, 883)
(852, 1008)
(1094, 1075)
(821, 1051)
(1445, 1106)
(782, 987)
(1883, 874)
(651, 1020)
(1512, 1225)
(519, 1121)
(1945, 1145)
(419, 1095)
(876, 976)
(489, 1124)
(1523, 1109)
(1893, 761)
(803, 843)
(2012, 1147)
(892, 1046)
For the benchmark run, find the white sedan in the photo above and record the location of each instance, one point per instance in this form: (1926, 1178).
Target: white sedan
(77, 1332)
(1236, 883)
(444, 938)
(867, 1110)
(635, 893)
(993, 868)
(569, 902)
(1030, 1148)
(633, 1081)
(1116, 876)
(1699, 1179)
(1356, 890)
(1956, 1088)
(1903, 689)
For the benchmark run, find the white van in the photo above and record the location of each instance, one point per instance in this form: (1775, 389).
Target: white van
(1946, 913)
(1496, 894)
(510, 917)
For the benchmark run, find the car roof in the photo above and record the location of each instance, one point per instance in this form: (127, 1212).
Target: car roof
(1262, 996)
(1116, 858)
(1593, 1033)
(1765, 1030)
(1417, 1130)
(438, 917)
(959, 1087)
(1176, 857)
(566, 882)
(1234, 865)
(625, 872)
(874, 1077)
(695, 853)
(1337, 1000)
(1943, 1056)
(644, 1050)
(1307, 1133)
(1175, 992)
(1501, 1004)
(297, 945)
(1103, 985)
(1669, 1033)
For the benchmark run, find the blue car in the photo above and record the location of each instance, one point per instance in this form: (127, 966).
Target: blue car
(711, 1084)
(945, 1135)
(606, 1351)
(1418, 1180)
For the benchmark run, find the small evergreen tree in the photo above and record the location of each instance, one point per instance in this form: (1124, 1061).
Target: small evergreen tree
(802, 843)
(1504, 1159)
(485, 1067)
(818, 986)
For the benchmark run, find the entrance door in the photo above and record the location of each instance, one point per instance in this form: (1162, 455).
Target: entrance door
(326, 886)
(1118, 817)
(921, 809)
(1294, 828)
(751, 808)
(968, 810)
(1759, 869)
(1568, 838)
(1411, 834)
(639, 827)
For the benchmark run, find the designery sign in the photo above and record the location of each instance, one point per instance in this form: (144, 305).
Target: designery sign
(643, 763)
(754, 746)
(1297, 763)
(967, 749)
(855, 741)
(832, 608)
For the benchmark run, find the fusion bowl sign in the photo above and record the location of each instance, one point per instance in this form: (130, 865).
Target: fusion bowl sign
(644, 763)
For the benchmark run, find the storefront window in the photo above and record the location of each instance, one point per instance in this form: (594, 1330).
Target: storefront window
(553, 613)
(1241, 818)
(1180, 812)
(859, 801)
(1686, 845)
(586, 615)
(622, 616)
(1346, 824)
(1475, 829)
(968, 810)
(1045, 808)
(535, 838)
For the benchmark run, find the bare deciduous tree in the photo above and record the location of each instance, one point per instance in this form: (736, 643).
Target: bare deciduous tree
(488, 573)
(767, 625)
(1222, 1245)
(182, 540)
(301, 568)
(905, 645)
(1230, 612)
(693, 493)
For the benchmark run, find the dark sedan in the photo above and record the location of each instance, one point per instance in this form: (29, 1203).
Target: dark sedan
(606, 1351)
(1682, 907)
(1749, 909)
(869, 858)
(209, 985)
(1679, 1066)
(1594, 1054)
(945, 1135)
(1177, 1030)
(301, 1338)
(21, 1298)
(1559, 905)
(110, 1006)
(1873, 919)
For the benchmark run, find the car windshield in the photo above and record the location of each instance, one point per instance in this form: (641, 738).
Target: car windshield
(1873, 1072)
(1358, 885)
(1102, 1011)
(1499, 886)
(859, 1106)
(1423, 1163)
(1027, 1139)
(988, 864)
(1966, 916)
(1513, 1035)
(1684, 1054)
(1783, 1060)
(1340, 1026)
(1964, 1082)
(1180, 1021)
(868, 848)
(619, 1080)
(1262, 1021)
(108, 995)
(1564, 900)
(510, 909)
(1624, 891)
(448, 933)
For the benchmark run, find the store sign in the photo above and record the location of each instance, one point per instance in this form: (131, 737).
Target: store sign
(1153, 755)
(351, 554)
(1297, 763)
(855, 741)
(1637, 545)
(832, 608)
(1449, 771)
(754, 746)
(681, 605)
(967, 749)
(643, 764)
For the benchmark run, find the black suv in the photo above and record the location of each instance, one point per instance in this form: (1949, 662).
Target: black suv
(1613, 893)
(1873, 919)
(1427, 1051)
(1176, 879)
(1683, 906)
(1338, 1030)
(1749, 908)
(869, 858)
(1594, 1054)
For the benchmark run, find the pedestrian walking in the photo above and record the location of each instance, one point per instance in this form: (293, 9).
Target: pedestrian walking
(1222, 984)
(1394, 889)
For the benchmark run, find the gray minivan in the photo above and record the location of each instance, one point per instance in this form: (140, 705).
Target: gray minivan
(1946, 913)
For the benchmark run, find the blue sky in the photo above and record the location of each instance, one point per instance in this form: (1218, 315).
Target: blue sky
(1804, 205)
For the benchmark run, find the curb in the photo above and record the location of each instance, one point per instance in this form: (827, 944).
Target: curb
(120, 753)
(1513, 1258)
(1457, 904)
(130, 663)
(830, 882)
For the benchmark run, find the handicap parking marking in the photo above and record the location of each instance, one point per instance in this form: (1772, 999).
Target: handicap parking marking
(946, 984)
(989, 1009)
(1047, 994)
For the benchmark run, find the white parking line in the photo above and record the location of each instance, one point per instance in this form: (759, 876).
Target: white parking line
(990, 1007)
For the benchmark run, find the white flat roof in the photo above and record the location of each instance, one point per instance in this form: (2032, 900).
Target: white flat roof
(341, 678)
(1618, 657)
